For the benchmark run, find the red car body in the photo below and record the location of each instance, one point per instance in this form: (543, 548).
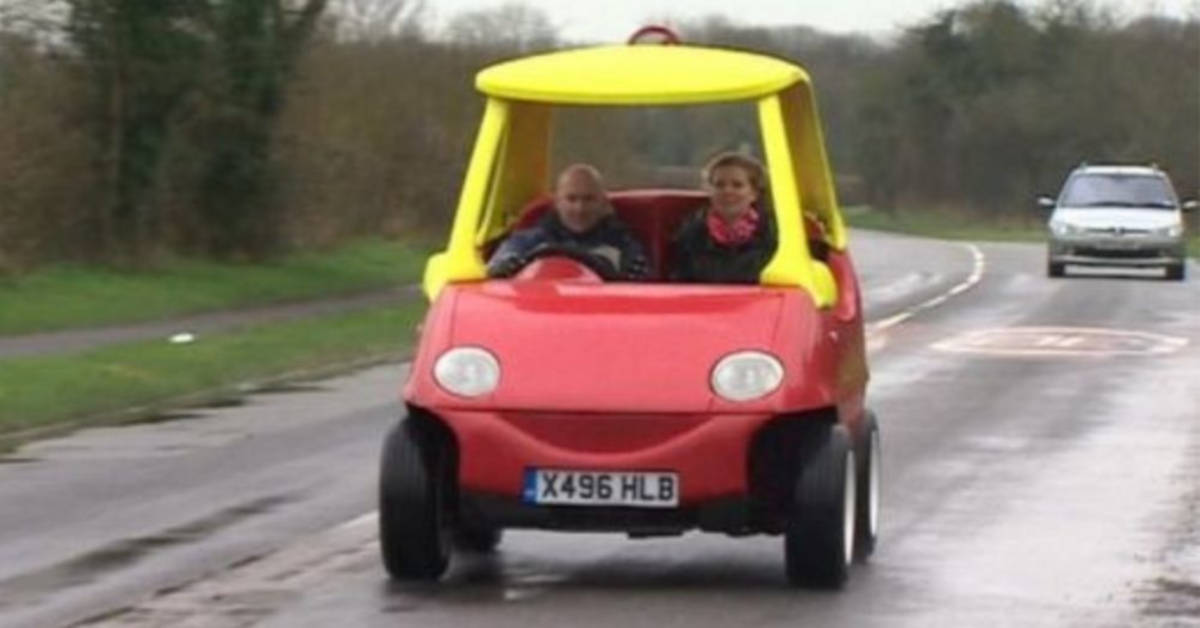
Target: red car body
(731, 408)
(615, 376)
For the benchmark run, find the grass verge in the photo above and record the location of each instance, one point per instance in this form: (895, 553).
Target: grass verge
(44, 391)
(948, 225)
(959, 226)
(76, 296)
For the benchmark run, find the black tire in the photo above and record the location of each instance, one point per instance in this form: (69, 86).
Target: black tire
(414, 527)
(819, 540)
(1055, 269)
(1176, 272)
(482, 540)
(866, 516)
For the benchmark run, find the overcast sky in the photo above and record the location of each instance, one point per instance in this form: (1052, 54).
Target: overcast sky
(614, 20)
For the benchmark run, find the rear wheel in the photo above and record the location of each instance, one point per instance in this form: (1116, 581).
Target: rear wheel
(414, 481)
(819, 540)
(1055, 269)
(1176, 272)
(866, 519)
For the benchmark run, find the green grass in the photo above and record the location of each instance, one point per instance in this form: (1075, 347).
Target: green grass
(949, 225)
(41, 391)
(962, 226)
(76, 296)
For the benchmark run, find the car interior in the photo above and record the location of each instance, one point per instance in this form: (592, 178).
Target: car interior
(654, 216)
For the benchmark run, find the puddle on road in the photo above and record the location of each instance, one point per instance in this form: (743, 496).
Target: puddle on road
(30, 588)
(170, 417)
(1167, 598)
(289, 387)
(233, 401)
(222, 403)
(189, 413)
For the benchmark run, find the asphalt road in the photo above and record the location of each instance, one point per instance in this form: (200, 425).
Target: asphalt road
(1041, 468)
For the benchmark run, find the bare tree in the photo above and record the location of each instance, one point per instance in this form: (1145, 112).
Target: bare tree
(514, 26)
(376, 20)
(41, 21)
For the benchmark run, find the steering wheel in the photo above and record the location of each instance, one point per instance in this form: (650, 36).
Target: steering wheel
(597, 264)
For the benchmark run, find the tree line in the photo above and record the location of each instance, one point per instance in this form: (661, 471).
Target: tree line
(238, 129)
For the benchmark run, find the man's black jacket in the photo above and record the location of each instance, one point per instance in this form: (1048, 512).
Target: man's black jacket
(609, 240)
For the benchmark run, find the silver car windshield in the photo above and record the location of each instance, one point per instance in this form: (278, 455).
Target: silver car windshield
(1117, 190)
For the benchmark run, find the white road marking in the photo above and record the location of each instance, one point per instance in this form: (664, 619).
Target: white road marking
(876, 339)
(369, 520)
(1062, 341)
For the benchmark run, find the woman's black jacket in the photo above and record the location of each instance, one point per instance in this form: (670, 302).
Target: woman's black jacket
(697, 258)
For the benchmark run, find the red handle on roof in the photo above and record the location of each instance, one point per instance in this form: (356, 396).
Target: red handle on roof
(668, 35)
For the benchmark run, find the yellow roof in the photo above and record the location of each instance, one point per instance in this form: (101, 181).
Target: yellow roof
(640, 74)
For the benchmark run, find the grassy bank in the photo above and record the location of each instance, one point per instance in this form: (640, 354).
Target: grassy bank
(76, 296)
(948, 225)
(42, 391)
(958, 226)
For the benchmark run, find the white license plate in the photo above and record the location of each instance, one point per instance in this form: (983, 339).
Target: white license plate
(643, 489)
(1119, 245)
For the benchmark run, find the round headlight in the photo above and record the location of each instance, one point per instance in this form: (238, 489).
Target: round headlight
(746, 375)
(467, 371)
(1061, 228)
(1170, 231)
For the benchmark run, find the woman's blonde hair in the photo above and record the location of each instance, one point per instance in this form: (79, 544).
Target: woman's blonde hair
(753, 167)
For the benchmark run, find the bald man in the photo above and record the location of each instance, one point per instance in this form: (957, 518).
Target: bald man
(582, 221)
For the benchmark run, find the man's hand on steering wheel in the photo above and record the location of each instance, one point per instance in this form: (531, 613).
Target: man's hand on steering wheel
(600, 265)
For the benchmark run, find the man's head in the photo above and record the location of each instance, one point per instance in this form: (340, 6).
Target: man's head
(579, 198)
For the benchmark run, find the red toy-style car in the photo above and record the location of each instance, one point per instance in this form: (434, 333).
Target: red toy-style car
(557, 400)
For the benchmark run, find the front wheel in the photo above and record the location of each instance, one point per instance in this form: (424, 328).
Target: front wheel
(866, 519)
(1176, 272)
(1055, 269)
(414, 530)
(819, 540)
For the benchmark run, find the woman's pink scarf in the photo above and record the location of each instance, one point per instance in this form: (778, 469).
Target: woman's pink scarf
(735, 233)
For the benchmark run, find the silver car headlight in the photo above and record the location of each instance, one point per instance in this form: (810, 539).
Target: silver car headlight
(1170, 231)
(1061, 228)
(467, 371)
(746, 375)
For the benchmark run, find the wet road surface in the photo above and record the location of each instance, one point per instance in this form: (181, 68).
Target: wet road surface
(1042, 468)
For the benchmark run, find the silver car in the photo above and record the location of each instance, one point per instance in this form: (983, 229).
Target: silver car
(1117, 216)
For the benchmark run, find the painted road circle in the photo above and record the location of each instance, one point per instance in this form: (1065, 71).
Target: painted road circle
(1062, 341)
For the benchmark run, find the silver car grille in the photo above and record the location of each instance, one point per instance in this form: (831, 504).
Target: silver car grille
(1118, 231)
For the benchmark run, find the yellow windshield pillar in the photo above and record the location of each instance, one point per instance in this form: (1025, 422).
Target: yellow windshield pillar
(522, 168)
(788, 267)
(808, 145)
(461, 261)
